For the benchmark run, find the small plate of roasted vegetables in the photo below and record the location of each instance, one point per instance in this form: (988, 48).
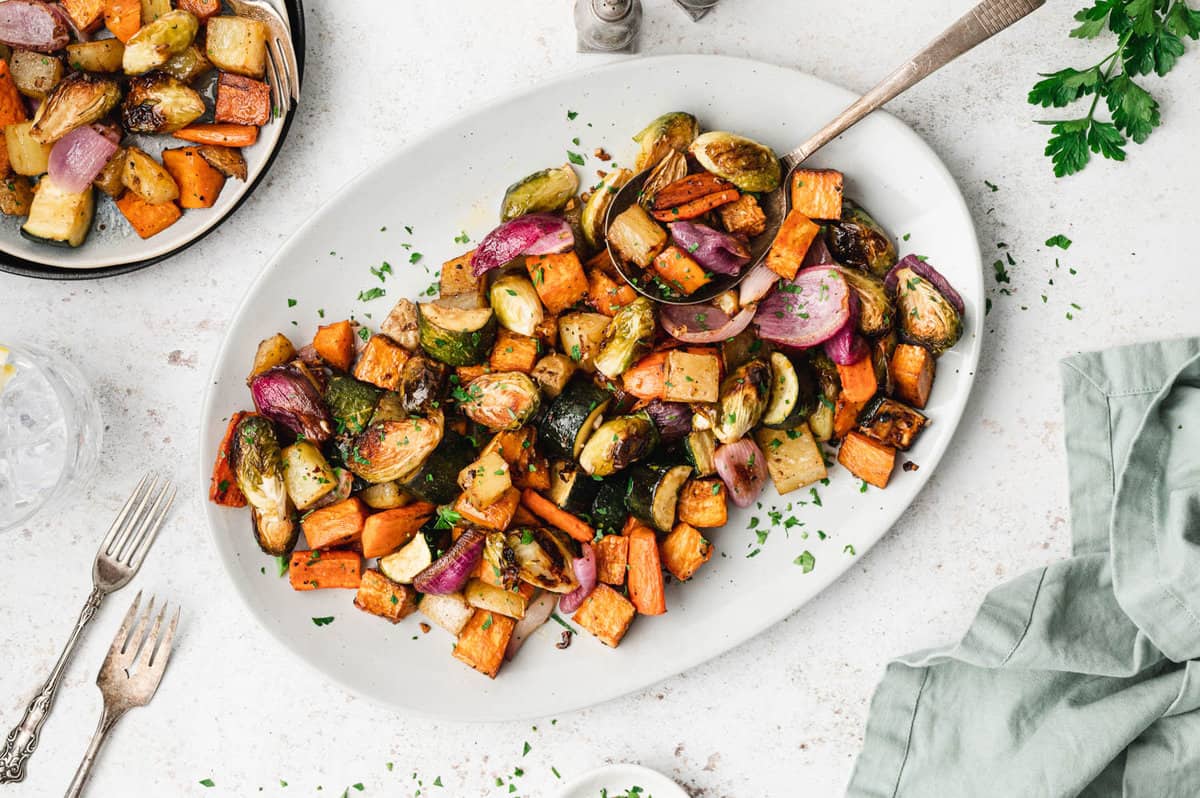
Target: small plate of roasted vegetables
(513, 484)
(130, 128)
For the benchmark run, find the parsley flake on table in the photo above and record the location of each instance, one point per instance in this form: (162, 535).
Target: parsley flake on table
(1059, 240)
(325, 621)
(207, 783)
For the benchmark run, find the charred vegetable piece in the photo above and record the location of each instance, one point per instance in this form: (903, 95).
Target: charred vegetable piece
(571, 488)
(388, 450)
(700, 446)
(422, 384)
(158, 103)
(821, 421)
(284, 395)
(59, 217)
(926, 317)
(744, 396)
(743, 469)
(794, 393)
(448, 573)
(501, 401)
(516, 303)
(436, 481)
(595, 211)
(102, 55)
(155, 43)
(543, 559)
(671, 132)
(671, 168)
(226, 160)
(572, 417)
(627, 338)
(147, 178)
(456, 336)
(635, 237)
(350, 402)
(33, 25)
(617, 443)
(16, 195)
(891, 422)
(581, 337)
(654, 493)
(544, 191)
(237, 44)
(258, 467)
(875, 307)
(858, 240)
(744, 162)
(404, 565)
(78, 100)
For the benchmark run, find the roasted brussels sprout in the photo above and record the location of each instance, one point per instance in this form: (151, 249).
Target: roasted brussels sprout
(158, 103)
(671, 131)
(388, 450)
(744, 395)
(596, 209)
(506, 400)
(858, 240)
(545, 191)
(671, 168)
(744, 162)
(350, 402)
(875, 307)
(77, 100)
(258, 469)
(155, 43)
(390, 407)
(286, 396)
(627, 338)
(617, 444)
(188, 64)
(516, 303)
(542, 559)
(501, 558)
(422, 382)
(926, 317)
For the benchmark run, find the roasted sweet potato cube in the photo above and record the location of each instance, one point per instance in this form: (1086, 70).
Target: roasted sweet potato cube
(514, 352)
(869, 460)
(612, 559)
(381, 596)
(242, 100)
(381, 363)
(817, 193)
(791, 244)
(606, 614)
(467, 373)
(335, 344)
(335, 524)
(605, 294)
(912, 371)
(684, 551)
(147, 220)
(85, 14)
(497, 517)
(457, 280)
(482, 641)
(559, 280)
(845, 415)
(677, 270)
(533, 473)
(321, 570)
(743, 216)
(202, 9)
(702, 503)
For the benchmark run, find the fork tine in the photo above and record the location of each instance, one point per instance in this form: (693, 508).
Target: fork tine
(273, 81)
(293, 67)
(125, 552)
(119, 640)
(159, 661)
(119, 522)
(145, 540)
(287, 61)
(132, 643)
(143, 660)
(133, 520)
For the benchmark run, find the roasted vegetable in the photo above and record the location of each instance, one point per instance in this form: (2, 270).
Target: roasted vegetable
(109, 179)
(874, 305)
(671, 168)
(306, 474)
(654, 493)
(891, 422)
(793, 458)
(158, 103)
(552, 373)
(350, 402)
(436, 480)
(692, 376)
(858, 240)
(544, 191)
(571, 488)
(743, 468)
(744, 396)
(516, 303)
(581, 337)
(401, 324)
(867, 459)
(77, 100)
(156, 41)
(912, 369)
(821, 420)
(237, 44)
(700, 446)
(35, 73)
(627, 338)
(926, 317)
(453, 335)
(572, 417)
(284, 395)
(422, 384)
(388, 450)
(635, 237)
(532, 234)
(543, 559)
(671, 132)
(558, 279)
(59, 217)
(101, 55)
(744, 162)
(617, 443)
(26, 155)
(16, 195)
(794, 393)
(817, 193)
(404, 565)
(188, 64)
(258, 466)
(33, 25)
(595, 211)
(501, 401)
(147, 178)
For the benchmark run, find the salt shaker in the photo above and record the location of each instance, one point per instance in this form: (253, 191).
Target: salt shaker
(607, 26)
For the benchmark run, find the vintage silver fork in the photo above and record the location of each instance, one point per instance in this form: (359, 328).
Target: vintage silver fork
(120, 555)
(283, 73)
(127, 679)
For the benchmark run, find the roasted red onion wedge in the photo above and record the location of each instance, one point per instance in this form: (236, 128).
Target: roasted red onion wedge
(806, 311)
(78, 157)
(33, 25)
(448, 573)
(743, 468)
(703, 324)
(585, 572)
(714, 250)
(532, 234)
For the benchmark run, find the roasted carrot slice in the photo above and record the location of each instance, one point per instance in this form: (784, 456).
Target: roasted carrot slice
(679, 271)
(335, 524)
(223, 489)
(646, 589)
(697, 207)
(223, 134)
(552, 514)
(689, 189)
(387, 531)
(647, 378)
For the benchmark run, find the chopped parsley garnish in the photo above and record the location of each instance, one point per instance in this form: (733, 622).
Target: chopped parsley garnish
(371, 293)
(575, 158)
(1060, 241)
(325, 621)
(806, 561)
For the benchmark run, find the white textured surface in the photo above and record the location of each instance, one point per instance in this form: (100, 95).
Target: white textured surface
(784, 714)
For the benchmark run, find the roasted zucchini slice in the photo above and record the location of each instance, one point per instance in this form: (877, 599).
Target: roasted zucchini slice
(793, 395)
(618, 443)
(571, 488)
(59, 217)
(701, 449)
(571, 418)
(654, 493)
(436, 480)
(892, 422)
(351, 403)
(608, 508)
(456, 336)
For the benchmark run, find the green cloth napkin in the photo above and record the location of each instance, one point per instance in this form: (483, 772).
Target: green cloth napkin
(1076, 679)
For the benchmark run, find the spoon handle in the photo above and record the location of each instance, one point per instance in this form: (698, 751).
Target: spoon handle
(979, 24)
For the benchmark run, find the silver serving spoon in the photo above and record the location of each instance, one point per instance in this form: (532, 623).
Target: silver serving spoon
(979, 24)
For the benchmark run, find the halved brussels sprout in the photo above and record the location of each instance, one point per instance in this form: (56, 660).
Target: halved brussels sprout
(544, 191)
(543, 559)
(671, 131)
(744, 395)
(422, 382)
(858, 240)
(596, 208)
(516, 303)
(155, 43)
(926, 317)
(506, 400)
(502, 560)
(388, 450)
(618, 443)
(78, 100)
(875, 307)
(158, 103)
(627, 338)
(744, 162)
(671, 168)
(188, 64)
(258, 469)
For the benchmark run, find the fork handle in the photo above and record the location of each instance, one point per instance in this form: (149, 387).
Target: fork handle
(107, 720)
(23, 739)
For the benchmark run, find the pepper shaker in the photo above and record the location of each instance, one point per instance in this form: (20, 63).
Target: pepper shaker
(696, 9)
(607, 26)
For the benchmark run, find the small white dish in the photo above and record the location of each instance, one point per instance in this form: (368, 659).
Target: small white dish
(617, 781)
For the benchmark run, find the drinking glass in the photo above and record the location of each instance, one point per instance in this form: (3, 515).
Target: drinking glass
(50, 430)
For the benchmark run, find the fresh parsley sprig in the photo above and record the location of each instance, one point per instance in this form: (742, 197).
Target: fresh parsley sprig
(1150, 36)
